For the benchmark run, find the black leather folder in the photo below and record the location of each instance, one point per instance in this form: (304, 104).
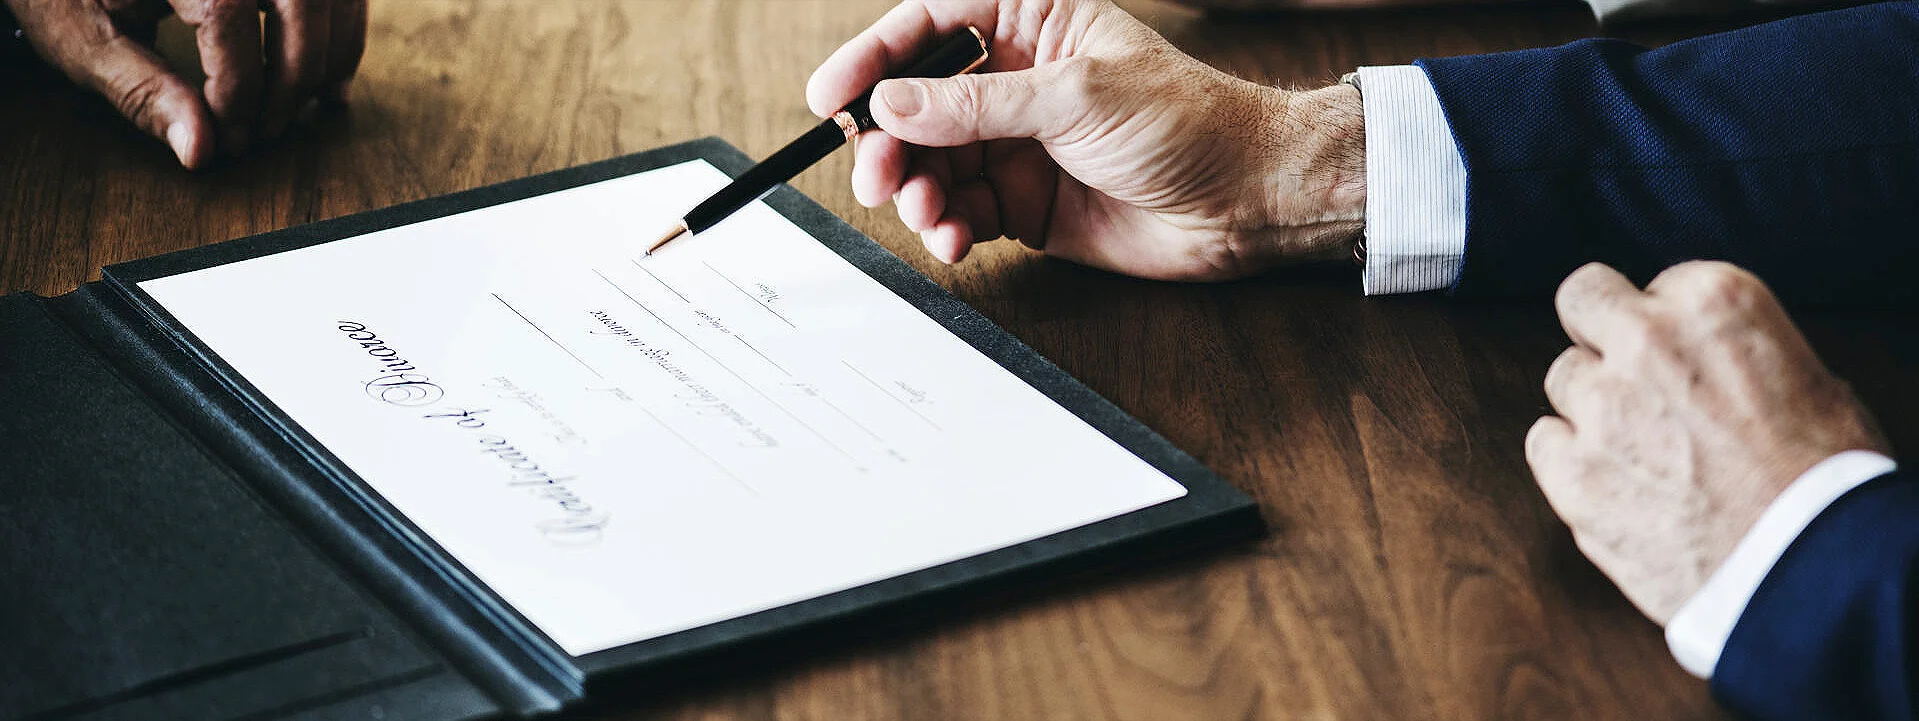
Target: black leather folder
(172, 546)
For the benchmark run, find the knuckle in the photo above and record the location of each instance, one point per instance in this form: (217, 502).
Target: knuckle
(1714, 279)
(136, 98)
(1581, 289)
(1581, 277)
(1716, 286)
(1734, 289)
(965, 95)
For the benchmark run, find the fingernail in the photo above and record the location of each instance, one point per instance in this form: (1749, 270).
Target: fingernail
(180, 137)
(903, 97)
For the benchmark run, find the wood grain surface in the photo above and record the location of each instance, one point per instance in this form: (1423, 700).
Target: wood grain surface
(1411, 571)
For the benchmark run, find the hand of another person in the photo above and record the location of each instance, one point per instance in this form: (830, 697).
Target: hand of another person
(258, 76)
(1089, 136)
(1684, 410)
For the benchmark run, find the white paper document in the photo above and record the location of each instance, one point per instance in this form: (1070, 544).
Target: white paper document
(624, 447)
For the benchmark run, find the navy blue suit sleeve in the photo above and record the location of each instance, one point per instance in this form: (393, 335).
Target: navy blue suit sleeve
(1789, 148)
(1831, 631)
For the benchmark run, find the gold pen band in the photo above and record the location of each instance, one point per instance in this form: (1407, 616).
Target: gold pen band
(984, 51)
(847, 124)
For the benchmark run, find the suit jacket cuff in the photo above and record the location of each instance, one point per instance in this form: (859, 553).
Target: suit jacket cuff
(1697, 633)
(1415, 185)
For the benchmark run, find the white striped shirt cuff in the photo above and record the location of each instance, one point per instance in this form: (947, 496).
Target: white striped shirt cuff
(1415, 184)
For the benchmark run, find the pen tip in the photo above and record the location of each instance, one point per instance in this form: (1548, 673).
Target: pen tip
(676, 232)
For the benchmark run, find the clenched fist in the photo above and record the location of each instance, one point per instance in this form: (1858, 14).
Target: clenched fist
(1684, 410)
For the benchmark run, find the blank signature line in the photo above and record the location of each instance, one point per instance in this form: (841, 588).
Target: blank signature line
(548, 336)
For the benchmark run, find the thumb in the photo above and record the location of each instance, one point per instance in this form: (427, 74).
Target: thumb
(139, 84)
(946, 112)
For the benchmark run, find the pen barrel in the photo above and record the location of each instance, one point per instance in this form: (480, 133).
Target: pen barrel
(761, 179)
(958, 53)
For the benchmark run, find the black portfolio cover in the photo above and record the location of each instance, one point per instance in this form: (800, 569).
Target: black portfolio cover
(172, 546)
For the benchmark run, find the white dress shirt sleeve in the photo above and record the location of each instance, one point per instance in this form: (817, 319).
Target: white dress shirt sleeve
(1415, 184)
(1697, 633)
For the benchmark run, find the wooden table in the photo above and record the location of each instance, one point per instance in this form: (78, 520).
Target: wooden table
(1412, 569)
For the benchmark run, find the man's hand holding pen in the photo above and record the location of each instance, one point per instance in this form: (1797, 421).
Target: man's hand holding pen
(1088, 136)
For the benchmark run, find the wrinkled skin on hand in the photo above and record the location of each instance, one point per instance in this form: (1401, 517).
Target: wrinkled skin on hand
(1089, 136)
(1684, 410)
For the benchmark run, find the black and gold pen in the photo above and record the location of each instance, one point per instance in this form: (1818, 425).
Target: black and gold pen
(958, 54)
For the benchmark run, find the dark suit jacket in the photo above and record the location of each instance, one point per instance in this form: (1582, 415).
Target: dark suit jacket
(1791, 149)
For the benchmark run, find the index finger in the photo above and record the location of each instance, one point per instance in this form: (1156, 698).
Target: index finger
(891, 43)
(1595, 305)
(228, 35)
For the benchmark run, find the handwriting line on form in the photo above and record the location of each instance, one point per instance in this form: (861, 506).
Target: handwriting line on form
(729, 370)
(889, 394)
(756, 299)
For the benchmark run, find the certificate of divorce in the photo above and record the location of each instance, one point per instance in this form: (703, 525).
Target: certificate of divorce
(623, 447)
